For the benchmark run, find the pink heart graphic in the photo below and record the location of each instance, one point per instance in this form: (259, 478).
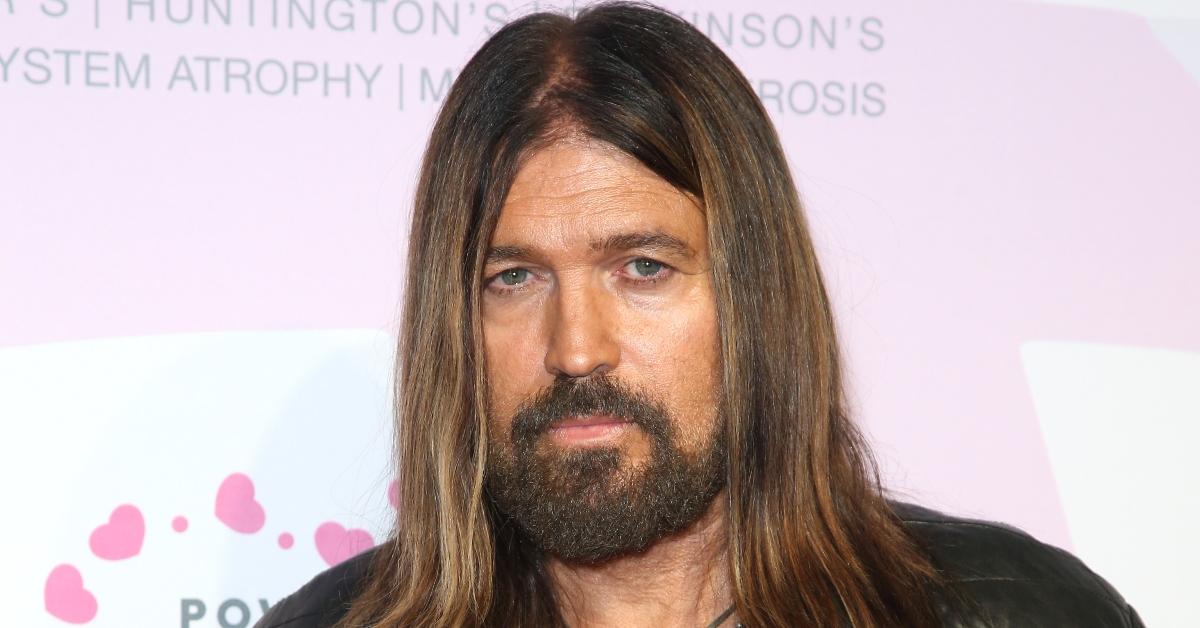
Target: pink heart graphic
(336, 544)
(236, 506)
(66, 598)
(122, 536)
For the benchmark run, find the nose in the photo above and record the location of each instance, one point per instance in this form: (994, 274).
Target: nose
(582, 340)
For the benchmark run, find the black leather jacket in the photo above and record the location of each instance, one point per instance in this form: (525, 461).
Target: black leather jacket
(1010, 579)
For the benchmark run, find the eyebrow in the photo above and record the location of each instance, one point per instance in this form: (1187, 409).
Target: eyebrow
(646, 240)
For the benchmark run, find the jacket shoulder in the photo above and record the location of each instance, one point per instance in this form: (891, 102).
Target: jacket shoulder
(1009, 578)
(324, 599)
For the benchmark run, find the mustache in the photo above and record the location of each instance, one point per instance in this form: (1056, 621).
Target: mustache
(597, 394)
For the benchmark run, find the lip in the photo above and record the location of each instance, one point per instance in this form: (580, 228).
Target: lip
(590, 427)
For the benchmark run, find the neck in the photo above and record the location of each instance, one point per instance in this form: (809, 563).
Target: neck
(681, 580)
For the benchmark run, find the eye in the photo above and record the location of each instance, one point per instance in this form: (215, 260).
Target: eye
(511, 281)
(514, 276)
(645, 272)
(647, 267)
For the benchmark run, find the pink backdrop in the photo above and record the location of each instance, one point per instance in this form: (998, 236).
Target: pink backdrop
(199, 279)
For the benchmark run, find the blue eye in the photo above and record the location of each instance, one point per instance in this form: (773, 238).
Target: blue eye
(514, 276)
(647, 267)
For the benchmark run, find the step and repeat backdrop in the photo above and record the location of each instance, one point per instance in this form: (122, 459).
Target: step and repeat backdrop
(203, 208)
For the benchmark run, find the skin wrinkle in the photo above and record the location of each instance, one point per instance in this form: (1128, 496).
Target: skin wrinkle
(581, 314)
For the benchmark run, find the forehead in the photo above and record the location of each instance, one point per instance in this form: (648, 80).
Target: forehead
(580, 187)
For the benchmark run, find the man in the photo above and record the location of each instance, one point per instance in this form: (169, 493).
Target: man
(619, 400)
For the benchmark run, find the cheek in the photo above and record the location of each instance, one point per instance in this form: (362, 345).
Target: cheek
(678, 363)
(513, 365)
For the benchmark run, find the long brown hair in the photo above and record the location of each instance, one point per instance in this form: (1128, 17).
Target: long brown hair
(812, 540)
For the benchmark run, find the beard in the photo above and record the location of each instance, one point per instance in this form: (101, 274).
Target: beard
(589, 504)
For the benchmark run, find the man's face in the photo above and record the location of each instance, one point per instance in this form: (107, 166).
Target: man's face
(600, 333)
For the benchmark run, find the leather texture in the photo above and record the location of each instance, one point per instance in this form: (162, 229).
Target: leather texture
(1006, 579)
(1011, 579)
